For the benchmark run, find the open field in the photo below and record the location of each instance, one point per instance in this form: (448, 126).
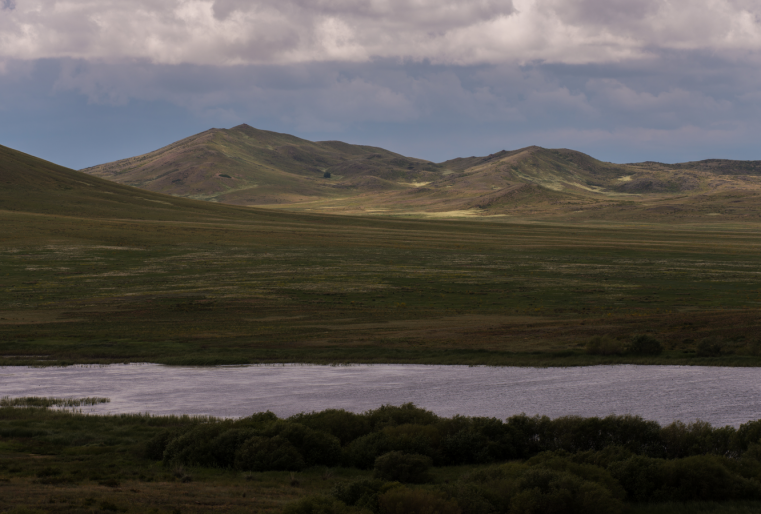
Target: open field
(92, 271)
(279, 287)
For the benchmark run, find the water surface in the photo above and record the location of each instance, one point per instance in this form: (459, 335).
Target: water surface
(721, 396)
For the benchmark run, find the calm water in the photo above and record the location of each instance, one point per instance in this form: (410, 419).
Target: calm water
(721, 396)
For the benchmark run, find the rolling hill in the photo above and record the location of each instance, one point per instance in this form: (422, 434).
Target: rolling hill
(247, 166)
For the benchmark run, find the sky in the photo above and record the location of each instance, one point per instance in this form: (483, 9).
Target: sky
(84, 82)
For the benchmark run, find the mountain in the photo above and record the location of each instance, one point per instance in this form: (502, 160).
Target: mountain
(247, 166)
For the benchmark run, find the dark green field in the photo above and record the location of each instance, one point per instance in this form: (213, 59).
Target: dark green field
(91, 271)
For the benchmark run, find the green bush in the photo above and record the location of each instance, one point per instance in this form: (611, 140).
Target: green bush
(645, 345)
(402, 467)
(194, 447)
(708, 347)
(605, 345)
(222, 448)
(316, 505)
(543, 491)
(748, 433)
(362, 493)
(346, 426)
(268, 454)
(406, 414)
(697, 438)
(466, 447)
(409, 438)
(362, 452)
(703, 477)
(561, 462)
(317, 448)
(530, 434)
(576, 434)
(154, 448)
(402, 500)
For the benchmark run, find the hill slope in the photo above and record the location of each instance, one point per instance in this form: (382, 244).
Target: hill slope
(31, 184)
(247, 166)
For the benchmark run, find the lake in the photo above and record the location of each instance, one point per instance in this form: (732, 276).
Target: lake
(721, 396)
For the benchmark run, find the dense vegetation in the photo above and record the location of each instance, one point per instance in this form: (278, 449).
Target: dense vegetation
(394, 459)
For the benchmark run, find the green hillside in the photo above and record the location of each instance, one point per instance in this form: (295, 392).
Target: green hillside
(247, 166)
(31, 185)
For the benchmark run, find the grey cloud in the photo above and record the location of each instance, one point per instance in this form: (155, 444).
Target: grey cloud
(337, 96)
(233, 32)
(613, 13)
(423, 14)
(8, 5)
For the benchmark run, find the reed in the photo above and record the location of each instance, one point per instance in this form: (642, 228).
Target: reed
(46, 402)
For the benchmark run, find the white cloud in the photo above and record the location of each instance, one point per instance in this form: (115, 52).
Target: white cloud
(231, 32)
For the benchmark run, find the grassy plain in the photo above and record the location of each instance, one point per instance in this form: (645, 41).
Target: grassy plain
(277, 287)
(97, 272)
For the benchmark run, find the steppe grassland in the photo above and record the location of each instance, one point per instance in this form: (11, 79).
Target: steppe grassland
(274, 287)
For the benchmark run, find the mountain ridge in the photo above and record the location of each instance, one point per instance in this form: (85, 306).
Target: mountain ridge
(253, 167)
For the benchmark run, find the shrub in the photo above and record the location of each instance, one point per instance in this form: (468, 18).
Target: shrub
(560, 461)
(543, 490)
(406, 414)
(645, 345)
(316, 505)
(268, 454)
(317, 448)
(697, 438)
(351, 493)
(154, 448)
(708, 347)
(577, 434)
(605, 345)
(747, 434)
(466, 447)
(222, 448)
(530, 433)
(363, 493)
(362, 452)
(422, 439)
(473, 499)
(753, 347)
(194, 447)
(705, 478)
(402, 467)
(346, 426)
(402, 500)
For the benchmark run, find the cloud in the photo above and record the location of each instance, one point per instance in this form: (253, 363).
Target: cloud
(235, 32)
(431, 78)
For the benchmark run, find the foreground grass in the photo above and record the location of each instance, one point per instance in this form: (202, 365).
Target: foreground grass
(279, 287)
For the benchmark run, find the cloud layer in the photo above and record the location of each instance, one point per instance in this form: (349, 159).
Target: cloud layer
(235, 32)
(622, 79)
